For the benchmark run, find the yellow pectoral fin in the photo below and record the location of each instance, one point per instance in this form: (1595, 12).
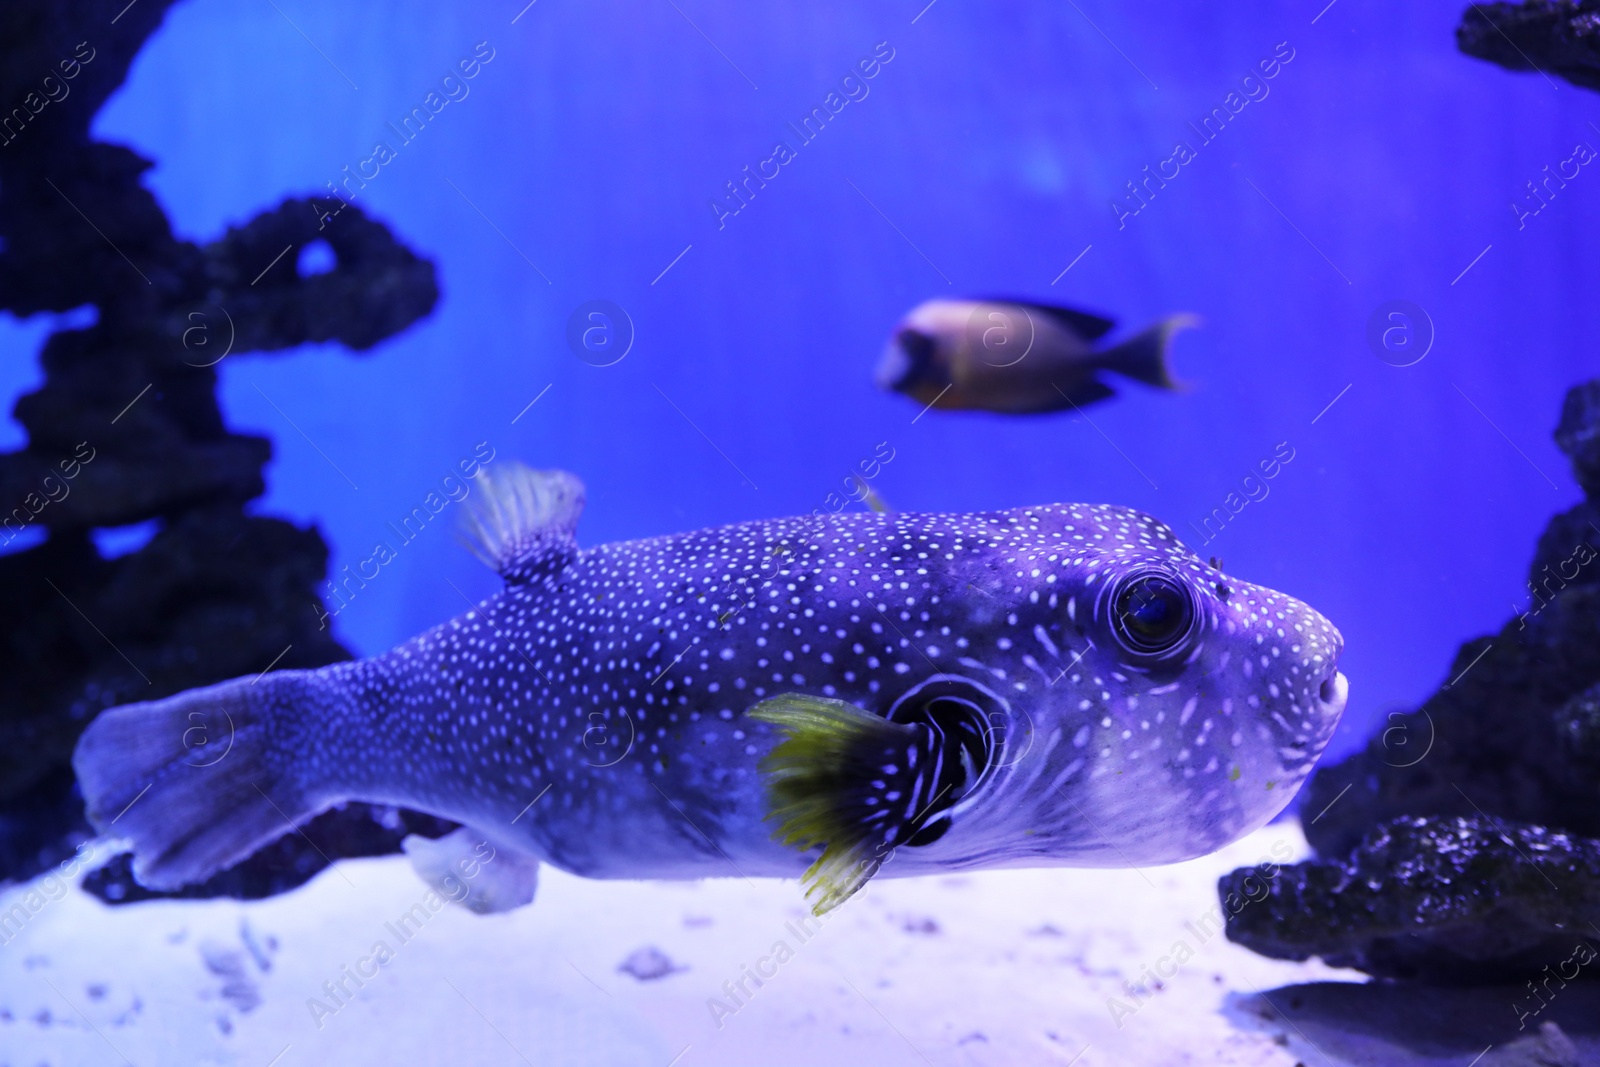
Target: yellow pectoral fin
(816, 780)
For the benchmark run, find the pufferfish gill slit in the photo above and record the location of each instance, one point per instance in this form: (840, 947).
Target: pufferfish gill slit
(837, 699)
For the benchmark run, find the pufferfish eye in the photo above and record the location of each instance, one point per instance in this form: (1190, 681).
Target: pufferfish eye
(1151, 614)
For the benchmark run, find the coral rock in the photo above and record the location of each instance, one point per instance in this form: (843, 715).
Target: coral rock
(1558, 36)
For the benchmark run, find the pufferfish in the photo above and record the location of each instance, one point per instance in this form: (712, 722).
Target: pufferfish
(830, 697)
(1019, 358)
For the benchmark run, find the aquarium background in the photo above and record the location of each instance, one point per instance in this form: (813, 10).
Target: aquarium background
(984, 160)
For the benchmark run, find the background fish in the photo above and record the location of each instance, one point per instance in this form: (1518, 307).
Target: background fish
(910, 693)
(1016, 357)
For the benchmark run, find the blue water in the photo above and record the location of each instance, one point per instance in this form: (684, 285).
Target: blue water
(984, 159)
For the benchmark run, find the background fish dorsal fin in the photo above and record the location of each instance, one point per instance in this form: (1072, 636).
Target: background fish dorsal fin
(523, 522)
(1085, 325)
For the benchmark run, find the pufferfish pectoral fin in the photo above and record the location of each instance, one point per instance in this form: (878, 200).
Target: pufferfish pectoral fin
(848, 780)
(524, 522)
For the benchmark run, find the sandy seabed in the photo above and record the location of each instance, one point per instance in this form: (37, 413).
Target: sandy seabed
(1005, 967)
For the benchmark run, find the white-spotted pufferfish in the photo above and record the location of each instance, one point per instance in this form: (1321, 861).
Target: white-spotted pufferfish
(826, 697)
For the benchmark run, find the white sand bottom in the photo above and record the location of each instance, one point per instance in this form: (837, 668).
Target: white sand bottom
(1010, 967)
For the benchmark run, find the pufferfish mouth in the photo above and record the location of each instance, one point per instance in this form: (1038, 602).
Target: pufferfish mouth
(1334, 692)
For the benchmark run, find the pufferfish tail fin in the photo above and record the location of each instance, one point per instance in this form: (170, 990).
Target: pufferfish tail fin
(842, 778)
(1147, 357)
(199, 781)
(523, 522)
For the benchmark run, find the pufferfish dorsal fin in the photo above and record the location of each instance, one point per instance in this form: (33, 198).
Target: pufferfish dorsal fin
(523, 522)
(842, 778)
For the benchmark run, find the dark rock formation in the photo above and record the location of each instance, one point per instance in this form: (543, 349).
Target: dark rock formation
(1556, 36)
(1501, 743)
(1409, 1024)
(1446, 900)
(1578, 433)
(1472, 825)
(346, 832)
(126, 430)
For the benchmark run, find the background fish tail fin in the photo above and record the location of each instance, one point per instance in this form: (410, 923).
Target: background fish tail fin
(198, 781)
(1147, 357)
